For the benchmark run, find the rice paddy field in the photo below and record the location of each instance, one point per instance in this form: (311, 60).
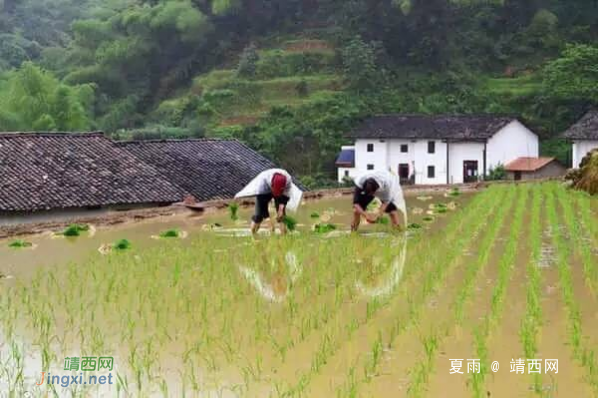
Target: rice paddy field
(193, 307)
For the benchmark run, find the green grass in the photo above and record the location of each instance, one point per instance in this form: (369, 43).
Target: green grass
(517, 87)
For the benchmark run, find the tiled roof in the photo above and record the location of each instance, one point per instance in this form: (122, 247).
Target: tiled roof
(207, 169)
(585, 129)
(528, 164)
(453, 127)
(346, 158)
(42, 171)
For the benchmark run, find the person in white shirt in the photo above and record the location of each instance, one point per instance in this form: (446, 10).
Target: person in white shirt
(381, 184)
(273, 184)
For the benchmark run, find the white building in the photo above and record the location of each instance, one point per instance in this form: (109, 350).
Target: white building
(584, 136)
(444, 149)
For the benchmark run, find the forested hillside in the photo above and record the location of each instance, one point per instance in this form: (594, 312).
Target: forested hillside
(289, 77)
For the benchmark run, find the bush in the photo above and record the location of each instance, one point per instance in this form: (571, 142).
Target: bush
(497, 173)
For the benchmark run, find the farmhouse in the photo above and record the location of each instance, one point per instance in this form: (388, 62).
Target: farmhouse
(584, 136)
(56, 172)
(534, 169)
(445, 149)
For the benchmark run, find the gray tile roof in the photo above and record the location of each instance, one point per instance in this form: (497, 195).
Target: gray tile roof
(206, 168)
(585, 129)
(453, 127)
(43, 171)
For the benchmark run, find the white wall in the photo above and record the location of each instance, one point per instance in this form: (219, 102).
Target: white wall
(378, 158)
(387, 155)
(460, 152)
(581, 149)
(511, 142)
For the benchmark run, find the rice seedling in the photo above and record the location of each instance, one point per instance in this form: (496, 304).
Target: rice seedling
(315, 214)
(187, 308)
(414, 226)
(581, 353)
(233, 210)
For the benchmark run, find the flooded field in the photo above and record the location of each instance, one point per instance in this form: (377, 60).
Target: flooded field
(504, 275)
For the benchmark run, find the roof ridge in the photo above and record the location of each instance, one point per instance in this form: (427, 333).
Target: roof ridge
(60, 134)
(439, 115)
(165, 140)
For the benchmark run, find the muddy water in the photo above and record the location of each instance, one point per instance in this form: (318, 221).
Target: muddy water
(51, 250)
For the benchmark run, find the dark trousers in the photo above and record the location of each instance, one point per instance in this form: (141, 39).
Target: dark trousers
(261, 206)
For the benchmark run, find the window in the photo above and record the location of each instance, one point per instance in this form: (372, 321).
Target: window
(346, 173)
(370, 167)
(431, 172)
(404, 148)
(370, 147)
(431, 146)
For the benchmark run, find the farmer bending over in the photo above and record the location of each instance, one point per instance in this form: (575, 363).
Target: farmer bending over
(383, 185)
(271, 184)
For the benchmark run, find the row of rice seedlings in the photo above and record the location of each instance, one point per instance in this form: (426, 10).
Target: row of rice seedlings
(94, 311)
(586, 217)
(505, 268)
(582, 354)
(421, 372)
(330, 344)
(579, 227)
(532, 321)
(443, 261)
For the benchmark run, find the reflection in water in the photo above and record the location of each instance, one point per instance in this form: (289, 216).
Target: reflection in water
(388, 285)
(267, 290)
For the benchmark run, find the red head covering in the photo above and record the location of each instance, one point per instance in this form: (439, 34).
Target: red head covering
(279, 183)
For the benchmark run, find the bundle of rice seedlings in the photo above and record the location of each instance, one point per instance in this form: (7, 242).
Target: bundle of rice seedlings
(19, 244)
(75, 230)
(233, 209)
(171, 233)
(323, 228)
(289, 222)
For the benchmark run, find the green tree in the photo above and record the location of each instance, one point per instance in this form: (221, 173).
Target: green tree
(33, 99)
(574, 75)
(359, 64)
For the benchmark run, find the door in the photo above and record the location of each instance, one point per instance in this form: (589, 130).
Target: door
(517, 176)
(470, 171)
(404, 173)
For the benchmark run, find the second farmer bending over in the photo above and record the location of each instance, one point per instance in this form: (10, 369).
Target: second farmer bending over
(380, 184)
